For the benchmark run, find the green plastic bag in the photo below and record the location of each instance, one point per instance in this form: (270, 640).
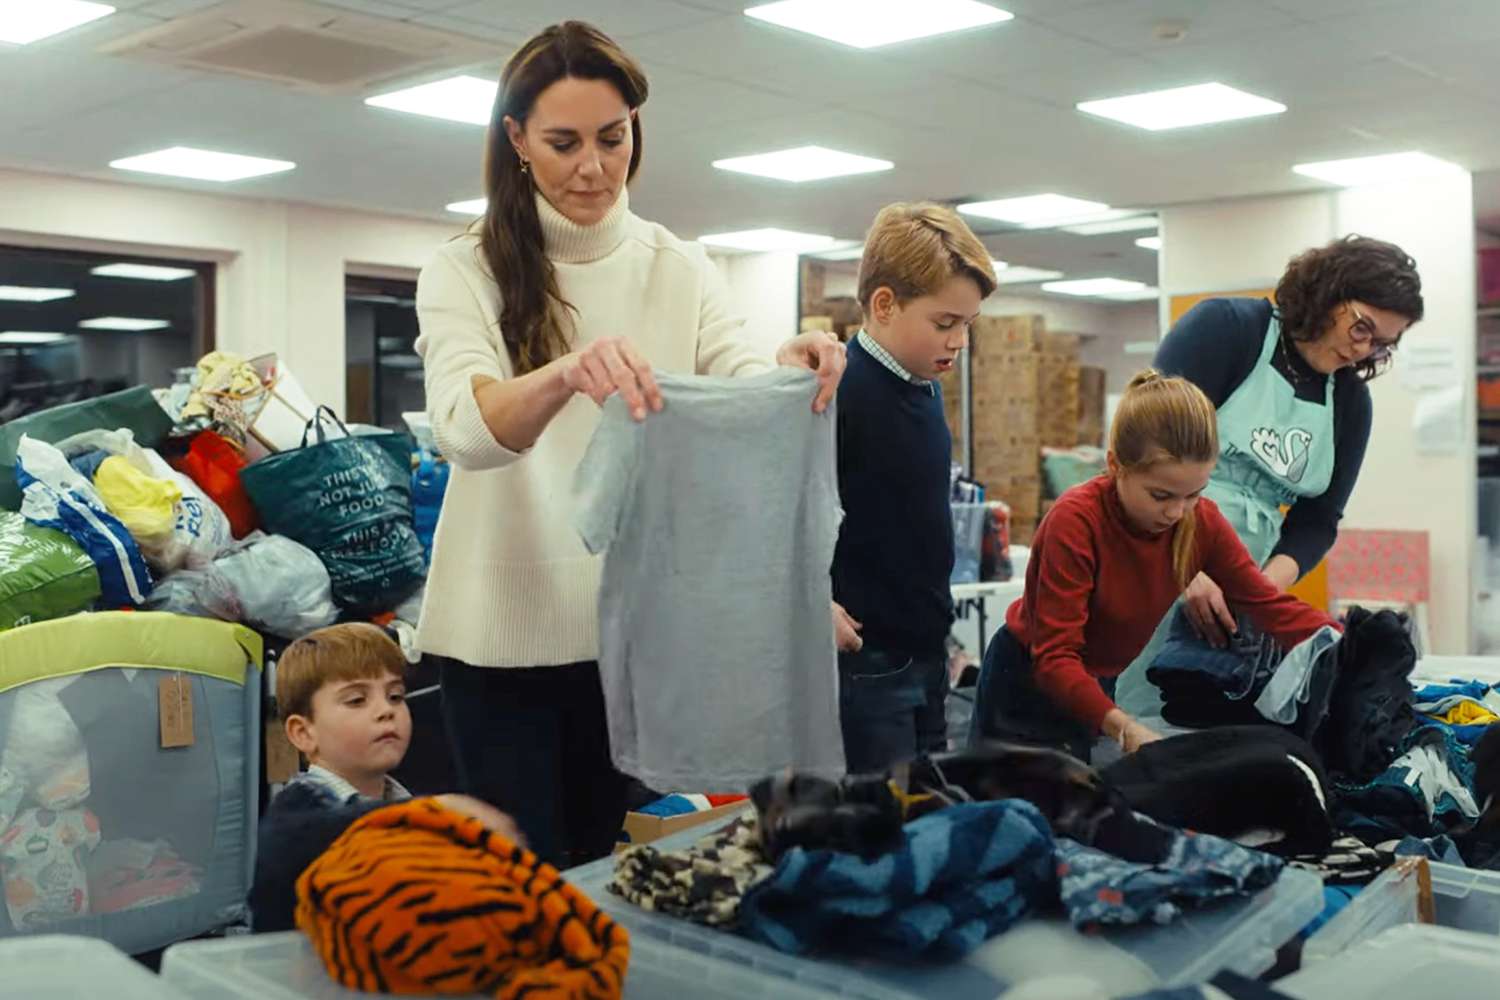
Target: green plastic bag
(46, 574)
(134, 408)
(349, 500)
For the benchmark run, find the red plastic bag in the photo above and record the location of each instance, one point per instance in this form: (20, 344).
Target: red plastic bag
(214, 464)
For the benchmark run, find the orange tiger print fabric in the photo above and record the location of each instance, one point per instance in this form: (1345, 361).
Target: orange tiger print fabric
(416, 898)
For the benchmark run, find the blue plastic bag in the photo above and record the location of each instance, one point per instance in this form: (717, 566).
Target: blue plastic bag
(429, 482)
(55, 496)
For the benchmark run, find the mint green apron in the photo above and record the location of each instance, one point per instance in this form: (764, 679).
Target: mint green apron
(1274, 449)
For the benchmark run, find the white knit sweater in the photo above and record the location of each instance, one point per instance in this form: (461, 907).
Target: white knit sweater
(511, 584)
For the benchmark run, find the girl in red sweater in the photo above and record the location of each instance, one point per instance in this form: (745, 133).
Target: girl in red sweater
(1106, 565)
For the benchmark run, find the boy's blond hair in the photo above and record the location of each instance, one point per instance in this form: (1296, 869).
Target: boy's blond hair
(915, 248)
(350, 652)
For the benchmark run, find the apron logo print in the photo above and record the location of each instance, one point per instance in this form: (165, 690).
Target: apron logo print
(1286, 456)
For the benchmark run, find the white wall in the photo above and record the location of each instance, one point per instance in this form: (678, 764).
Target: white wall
(763, 289)
(281, 265)
(1247, 244)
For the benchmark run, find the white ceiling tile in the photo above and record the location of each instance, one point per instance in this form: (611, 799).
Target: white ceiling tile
(618, 20)
(982, 114)
(1013, 50)
(688, 102)
(1291, 64)
(791, 63)
(1472, 66)
(1129, 24)
(1412, 28)
(484, 31)
(1323, 10)
(168, 9)
(374, 8)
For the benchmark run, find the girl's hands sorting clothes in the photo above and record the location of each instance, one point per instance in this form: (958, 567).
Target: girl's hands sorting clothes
(1208, 612)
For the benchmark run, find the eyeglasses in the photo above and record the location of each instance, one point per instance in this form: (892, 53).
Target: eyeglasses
(1363, 330)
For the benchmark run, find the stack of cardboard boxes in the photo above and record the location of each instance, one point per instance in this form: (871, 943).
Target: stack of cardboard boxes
(838, 314)
(1026, 391)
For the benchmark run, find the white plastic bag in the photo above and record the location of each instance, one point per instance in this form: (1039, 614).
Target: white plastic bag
(282, 586)
(55, 495)
(202, 593)
(201, 532)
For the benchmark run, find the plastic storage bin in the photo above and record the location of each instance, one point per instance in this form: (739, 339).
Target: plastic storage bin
(1240, 936)
(968, 541)
(129, 754)
(284, 967)
(56, 967)
(1464, 899)
(1402, 964)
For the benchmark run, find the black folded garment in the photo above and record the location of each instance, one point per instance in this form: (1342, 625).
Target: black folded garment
(863, 814)
(1232, 781)
(1370, 712)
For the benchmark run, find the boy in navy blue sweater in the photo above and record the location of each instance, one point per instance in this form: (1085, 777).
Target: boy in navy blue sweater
(921, 282)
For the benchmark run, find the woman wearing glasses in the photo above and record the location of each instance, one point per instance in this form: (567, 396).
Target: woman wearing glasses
(1289, 382)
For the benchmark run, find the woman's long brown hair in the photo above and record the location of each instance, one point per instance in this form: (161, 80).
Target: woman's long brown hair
(535, 320)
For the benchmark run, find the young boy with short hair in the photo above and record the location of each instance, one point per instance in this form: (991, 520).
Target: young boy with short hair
(342, 695)
(341, 692)
(922, 279)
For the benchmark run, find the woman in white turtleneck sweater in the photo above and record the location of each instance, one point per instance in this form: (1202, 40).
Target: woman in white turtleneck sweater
(557, 299)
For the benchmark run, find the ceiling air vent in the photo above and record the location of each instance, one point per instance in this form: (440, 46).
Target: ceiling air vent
(307, 46)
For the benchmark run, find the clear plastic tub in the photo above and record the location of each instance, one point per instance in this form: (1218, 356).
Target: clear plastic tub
(1402, 963)
(1445, 669)
(1241, 936)
(60, 967)
(284, 967)
(1464, 899)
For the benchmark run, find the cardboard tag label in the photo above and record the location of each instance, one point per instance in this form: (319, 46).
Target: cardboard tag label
(175, 698)
(282, 759)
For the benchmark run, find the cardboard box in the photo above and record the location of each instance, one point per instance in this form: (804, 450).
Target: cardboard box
(1022, 532)
(1057, 402)
(1023, 494)
(1002, 417)
(640, 828)
(814, 280)
(820, 324)
(1061, 343)
(1091, 405)
(991, 334)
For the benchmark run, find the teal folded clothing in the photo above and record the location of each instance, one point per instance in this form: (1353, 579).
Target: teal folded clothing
(959, 877)
(676, 805)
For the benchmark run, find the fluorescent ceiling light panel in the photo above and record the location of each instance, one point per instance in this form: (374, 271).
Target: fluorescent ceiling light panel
(1094, 286)
(842, 250)
(143, 272)
(31, 338)
(868, 24)
(768, 240)
(1181, 107)
(805, 163)
(131, 324)
(202, 164)
(1014, 275)
(1130, 224)
(1144, 294)
(28, 293)
(1149, 242)
(25, 21)
(467, 99)
(474, 206)
(1038, 210)
(1379, 169)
